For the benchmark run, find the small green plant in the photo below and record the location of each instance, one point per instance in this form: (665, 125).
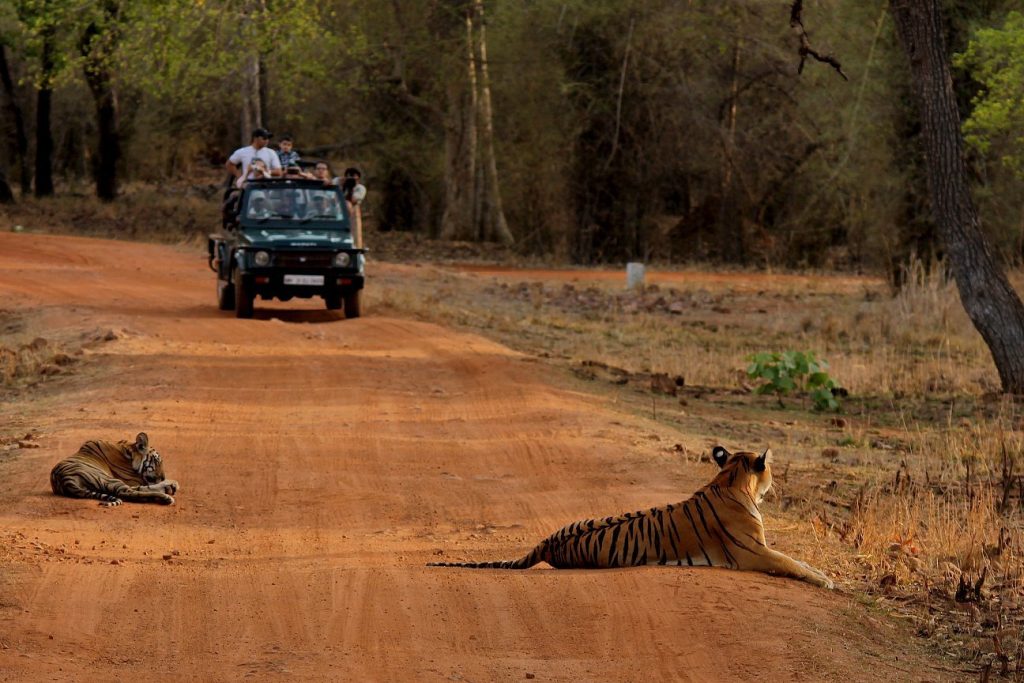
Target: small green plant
(794, 371)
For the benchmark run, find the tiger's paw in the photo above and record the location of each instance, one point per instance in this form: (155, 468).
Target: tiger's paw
(110, 503)
(170, 486)
(167, 500)
(817, 577)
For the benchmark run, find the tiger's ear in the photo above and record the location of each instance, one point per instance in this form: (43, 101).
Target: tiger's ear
(142, 441)
(762, 461)
(720, 455)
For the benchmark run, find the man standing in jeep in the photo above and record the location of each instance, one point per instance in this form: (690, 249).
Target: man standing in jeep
(239, 162)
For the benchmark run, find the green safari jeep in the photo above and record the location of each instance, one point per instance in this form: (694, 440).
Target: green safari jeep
(285, 238)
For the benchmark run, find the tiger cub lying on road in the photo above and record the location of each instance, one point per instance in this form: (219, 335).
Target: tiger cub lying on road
(719, 526)
(114, 472)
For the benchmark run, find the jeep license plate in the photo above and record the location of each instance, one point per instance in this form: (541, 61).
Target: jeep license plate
(304, 279)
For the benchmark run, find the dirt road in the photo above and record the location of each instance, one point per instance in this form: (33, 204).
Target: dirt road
(323, 462)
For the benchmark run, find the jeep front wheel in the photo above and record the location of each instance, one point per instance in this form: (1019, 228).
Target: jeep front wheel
(243, 297)
(333, 301)
(353, 304)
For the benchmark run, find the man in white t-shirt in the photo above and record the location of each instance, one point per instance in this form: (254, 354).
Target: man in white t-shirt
(239, 162)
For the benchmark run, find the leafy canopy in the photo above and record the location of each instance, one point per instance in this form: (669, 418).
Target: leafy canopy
(995, 57)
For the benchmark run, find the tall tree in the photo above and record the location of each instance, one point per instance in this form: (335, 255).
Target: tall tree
(45, 24)
(98, 44)
(607, 186)
(251, 110)
(44, 112)
(252, 70)
(473, 207)
(494, 224)
(445, 95)
(461, 208)
(14, 110)
(990, 301)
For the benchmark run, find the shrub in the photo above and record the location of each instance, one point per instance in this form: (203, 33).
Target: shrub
(794, 371)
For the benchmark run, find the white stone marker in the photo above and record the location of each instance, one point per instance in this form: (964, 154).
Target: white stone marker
(634, 275)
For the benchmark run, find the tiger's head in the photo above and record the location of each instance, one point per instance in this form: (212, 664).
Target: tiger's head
(146, 461)
(746, 470)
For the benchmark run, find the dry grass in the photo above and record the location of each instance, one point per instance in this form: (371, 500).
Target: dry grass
(26, 364)
(28, 360)
(169, 214)
(939, 538)
(908, 496)
(917, 343)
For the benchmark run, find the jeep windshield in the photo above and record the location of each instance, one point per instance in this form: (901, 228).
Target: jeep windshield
(295, 208)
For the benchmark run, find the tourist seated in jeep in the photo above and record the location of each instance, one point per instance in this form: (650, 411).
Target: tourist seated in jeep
(322, 172)
(257, 171)
(259, 207)
(324, 205)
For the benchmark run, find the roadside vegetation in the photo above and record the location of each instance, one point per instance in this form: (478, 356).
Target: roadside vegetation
(911, 493)
(24, 365)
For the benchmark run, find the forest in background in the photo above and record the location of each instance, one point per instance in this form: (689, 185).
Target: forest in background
(593, 130)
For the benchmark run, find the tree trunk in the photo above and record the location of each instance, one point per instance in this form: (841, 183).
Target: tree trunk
(109, 152)
(989, 299)
(264, 92)
(20, 136)
(406, 201)
(97, 46)
(495, 225)
(6, 196)
(251, 116)
(44, 107)
(459, 218)
(471, 115)
(731, 243)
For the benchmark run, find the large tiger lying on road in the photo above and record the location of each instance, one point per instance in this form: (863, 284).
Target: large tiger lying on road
(113, 473)
(719, 526)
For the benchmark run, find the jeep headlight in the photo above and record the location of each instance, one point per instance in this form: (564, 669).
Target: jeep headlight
(342, 259)
(261, 258)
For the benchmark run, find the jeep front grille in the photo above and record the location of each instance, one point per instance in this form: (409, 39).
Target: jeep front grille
(292, 259)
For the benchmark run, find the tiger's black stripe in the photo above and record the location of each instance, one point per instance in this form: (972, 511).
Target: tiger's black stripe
(676, 532)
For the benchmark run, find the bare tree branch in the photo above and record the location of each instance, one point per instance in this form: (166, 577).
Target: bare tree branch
(622, 86)
(805, 51)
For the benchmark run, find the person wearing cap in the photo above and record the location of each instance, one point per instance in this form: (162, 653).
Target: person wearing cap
(238, 163)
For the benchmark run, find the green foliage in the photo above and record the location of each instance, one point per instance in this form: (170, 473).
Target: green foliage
(180, 49)
(794, 371)
(995, 58)
(624, 129)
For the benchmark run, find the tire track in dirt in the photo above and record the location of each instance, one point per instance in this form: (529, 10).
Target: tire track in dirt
(322, 464)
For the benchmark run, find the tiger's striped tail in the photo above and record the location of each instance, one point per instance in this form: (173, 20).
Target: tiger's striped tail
(533, 557)
(105, 499)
